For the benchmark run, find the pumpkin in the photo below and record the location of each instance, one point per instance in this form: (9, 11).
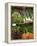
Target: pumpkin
(27, 35)
(23, 36)
(30, 36)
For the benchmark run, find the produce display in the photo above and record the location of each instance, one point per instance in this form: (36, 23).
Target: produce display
(21, 22)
